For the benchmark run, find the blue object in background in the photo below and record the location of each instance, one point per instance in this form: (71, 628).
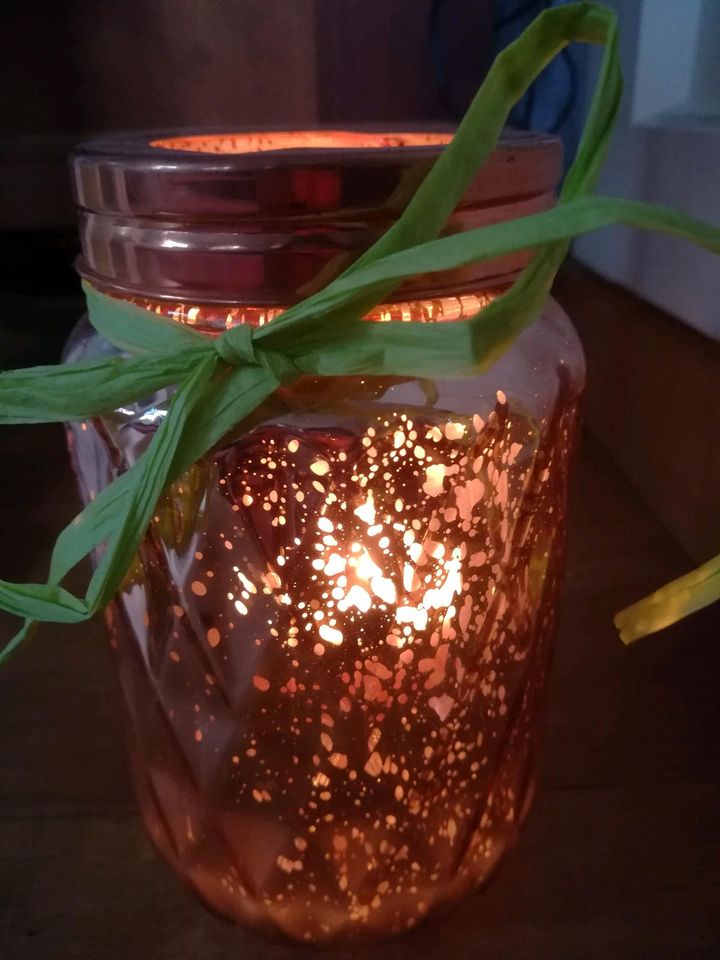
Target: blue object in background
(553, 104)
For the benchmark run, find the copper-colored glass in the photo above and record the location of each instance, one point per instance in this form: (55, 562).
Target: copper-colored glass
(333, 643)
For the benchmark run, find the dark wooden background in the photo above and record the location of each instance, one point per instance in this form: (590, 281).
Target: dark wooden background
(84, 67)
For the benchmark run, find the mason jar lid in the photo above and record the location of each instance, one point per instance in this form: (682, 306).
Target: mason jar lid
(269, 217)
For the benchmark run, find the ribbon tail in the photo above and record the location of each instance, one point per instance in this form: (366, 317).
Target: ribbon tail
(60, 393)
(671, 603)
(123, 526)
(18, 640)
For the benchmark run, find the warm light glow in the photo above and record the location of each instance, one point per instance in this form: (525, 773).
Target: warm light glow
(262, 141)
(215, 318)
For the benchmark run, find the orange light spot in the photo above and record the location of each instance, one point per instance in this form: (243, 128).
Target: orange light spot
(320, 467)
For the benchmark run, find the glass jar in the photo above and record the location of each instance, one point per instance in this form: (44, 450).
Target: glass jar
(333, 642)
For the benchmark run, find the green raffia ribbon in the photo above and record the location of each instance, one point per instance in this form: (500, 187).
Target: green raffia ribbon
(220, 381)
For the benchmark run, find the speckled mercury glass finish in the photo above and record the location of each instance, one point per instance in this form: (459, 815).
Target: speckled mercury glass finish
(333, 643)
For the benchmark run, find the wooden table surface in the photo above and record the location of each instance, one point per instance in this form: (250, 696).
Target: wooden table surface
(620, 857)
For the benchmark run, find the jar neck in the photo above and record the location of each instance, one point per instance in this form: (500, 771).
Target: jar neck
(214, 319)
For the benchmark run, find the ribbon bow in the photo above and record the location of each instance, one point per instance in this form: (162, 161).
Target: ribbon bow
(220, 381)
(236, 346)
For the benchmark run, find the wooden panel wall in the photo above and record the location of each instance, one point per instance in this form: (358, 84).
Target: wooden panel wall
(652, 400)
(197, 62)
(375, 57)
